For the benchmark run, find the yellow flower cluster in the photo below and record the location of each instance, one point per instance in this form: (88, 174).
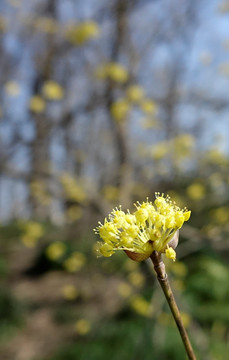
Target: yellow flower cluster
(32, 232)
(114, 71)
(72, 189)
(120, 109)
(56, 250)
(149, 228)
(52, 90)
(40, 192)
(79, 34)
(37, 104)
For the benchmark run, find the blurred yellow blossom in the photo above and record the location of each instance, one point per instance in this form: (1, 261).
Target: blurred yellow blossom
(69, 292)
(80, 33)
(32, 231)
(110, 192)
(74, 213)
(52, 90)
(149, 106)
(130, 265)
(55, 250)
(160, 150)
(220, 215)
(37, 104)
(73, 190)
(136, 278)
(215, 156)
(196, 191)
(39, 191)
(113, 71)
(75, 262)
(124, 290)
(12, 88)
(183, 144)
(120, 109)
(83, 326)
(135, 93)
(141, 306)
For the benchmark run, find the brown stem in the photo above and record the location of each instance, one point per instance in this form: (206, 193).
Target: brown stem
(162, 277)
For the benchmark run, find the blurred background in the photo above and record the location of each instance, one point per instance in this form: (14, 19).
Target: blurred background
(103, 103)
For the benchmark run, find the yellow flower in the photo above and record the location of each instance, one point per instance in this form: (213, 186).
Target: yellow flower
(113, 71)
(221, 215)
(37, 104)
(120, 109)
(149, 228)
(80, 33)
(215, 156)
(39, 191)
(33, 229)
(136, 278)
(72, 189)
(83, 326)
(52, 90)
(135, 93)
(69, 292)
(124, 290)
(170, 253)
(149, 106)
(140, 305)
(55, 250)
(160, 150)
(74, 213)
(196, 191)
(75, 262)
(183, 144)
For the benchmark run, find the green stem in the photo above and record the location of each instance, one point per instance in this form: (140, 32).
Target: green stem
(162, 277)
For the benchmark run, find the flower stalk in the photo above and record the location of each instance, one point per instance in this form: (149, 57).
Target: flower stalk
(162, 277)
(151, 230)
